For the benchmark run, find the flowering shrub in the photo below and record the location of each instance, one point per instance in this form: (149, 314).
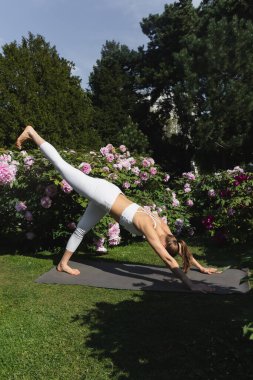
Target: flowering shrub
(42, 207)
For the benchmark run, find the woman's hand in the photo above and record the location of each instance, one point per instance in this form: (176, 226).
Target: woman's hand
(209, 270)
(201, 288)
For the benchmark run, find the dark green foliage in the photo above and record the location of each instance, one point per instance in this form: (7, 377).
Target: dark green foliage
(112, 89)
(198, 63)
(37, 87)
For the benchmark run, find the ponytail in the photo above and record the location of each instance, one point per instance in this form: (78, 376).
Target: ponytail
(186, 255)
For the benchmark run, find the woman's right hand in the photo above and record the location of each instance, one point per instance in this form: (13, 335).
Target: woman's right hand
(201, 288)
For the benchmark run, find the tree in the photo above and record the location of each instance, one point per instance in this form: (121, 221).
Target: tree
(198, 64)
(37, 87)
(112, 91)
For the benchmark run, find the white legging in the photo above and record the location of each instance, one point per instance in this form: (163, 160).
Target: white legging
(101, 194)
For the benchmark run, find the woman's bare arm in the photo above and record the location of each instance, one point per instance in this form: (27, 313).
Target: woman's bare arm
(202, 269)
(170, 262)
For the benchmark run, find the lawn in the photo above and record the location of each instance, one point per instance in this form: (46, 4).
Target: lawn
(76, 332)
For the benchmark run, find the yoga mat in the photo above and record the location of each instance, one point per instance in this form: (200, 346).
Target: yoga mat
(114, 275)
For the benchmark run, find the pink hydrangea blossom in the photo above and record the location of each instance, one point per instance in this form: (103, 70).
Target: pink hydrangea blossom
(144, 176)
(153, 170)
(211, 193)
(99, 243)
(125, 164)
(71, 226)
(151, 161)
(146, 163)
(137, 182)
(66, 186)
(106, 169)
(46, 202)
(5, 157)
(20, 206)
(104, 151)
(179, 223)
(190, 175)
(28, 216)
(28, 161)
(7, 173)
(132, 160)
(175, 202)
(114, 234)
(187, 188)
(189, 203)
(118, 166)
(126, 185)
(109, 157)
(85, 167)
(110, 147)
(122, 148)
(135, 170)
(166, 177)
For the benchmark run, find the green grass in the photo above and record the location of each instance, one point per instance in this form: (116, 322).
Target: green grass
(76, 332)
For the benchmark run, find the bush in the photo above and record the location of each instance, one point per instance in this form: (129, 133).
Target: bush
(41, 208)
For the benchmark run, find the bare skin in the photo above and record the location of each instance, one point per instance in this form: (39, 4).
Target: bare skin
(142, 221)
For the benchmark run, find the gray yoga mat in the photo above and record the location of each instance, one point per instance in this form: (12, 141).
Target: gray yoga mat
(114, 275)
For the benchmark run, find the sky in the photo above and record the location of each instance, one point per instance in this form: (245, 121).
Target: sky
(78, 28)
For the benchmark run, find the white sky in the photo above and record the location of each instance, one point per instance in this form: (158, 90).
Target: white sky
(78, 28)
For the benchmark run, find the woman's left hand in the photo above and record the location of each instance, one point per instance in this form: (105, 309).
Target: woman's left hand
(209, 270)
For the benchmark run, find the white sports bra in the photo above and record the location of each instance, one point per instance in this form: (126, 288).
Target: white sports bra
(126, 219)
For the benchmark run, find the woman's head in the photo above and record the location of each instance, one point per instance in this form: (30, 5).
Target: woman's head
(180, 247)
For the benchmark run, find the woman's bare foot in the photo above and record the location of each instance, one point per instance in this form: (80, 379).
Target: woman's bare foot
(67, 269)
(25, 135)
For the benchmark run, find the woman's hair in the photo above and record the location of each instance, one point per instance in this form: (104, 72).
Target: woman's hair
(172, 245)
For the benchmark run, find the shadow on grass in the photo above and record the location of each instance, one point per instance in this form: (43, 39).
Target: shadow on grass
(171, 336)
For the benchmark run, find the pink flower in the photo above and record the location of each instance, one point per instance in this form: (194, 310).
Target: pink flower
(175, 202)
(125, 164)
(113, 234)
(99, 243)
(189, 176)
(151, 161)
(66, 187)
(5, 157)
(106, 169)
(20, 206)
(28, 216)
(123, 148)
(46, 202)
(187, 188)
(189, 203)
(166, 177)
(71, 226)
(208, 222)
(7, 173)
(85, 167)
(144, 176)
(179, 223)
(51, 190)
(137, 182)
(104, 151)
(135, 170)
(28, 161)
(146, 163)
(132, 160)
(153, 170)
(126, 185)
(211, 193)
(109, 157)
(109, 147)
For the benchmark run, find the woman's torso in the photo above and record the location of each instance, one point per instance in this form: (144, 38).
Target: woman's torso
(141, 218)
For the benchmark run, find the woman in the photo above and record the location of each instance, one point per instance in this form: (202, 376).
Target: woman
(104, 197)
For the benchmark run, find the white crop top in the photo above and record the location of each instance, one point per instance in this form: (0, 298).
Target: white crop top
(126, 219)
